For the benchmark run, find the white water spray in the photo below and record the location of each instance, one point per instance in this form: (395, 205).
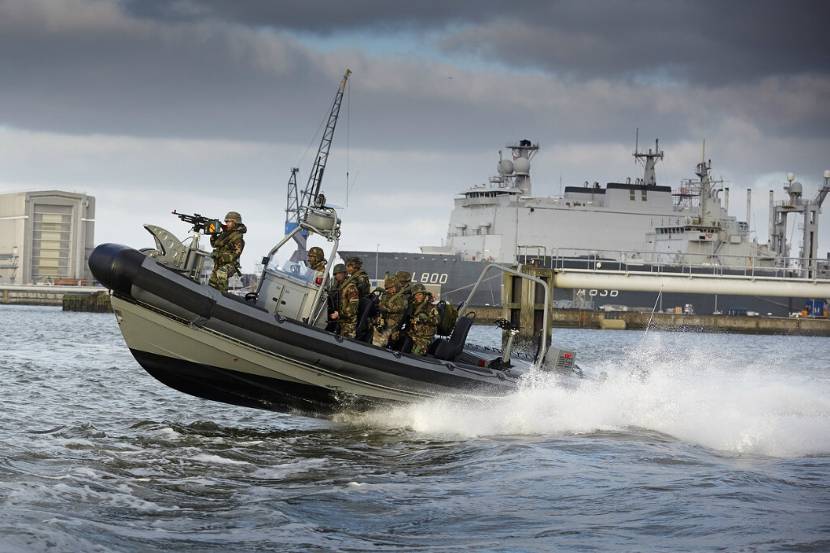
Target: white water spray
(693, 396)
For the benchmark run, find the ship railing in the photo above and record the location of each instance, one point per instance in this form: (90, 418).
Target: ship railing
(677, 263)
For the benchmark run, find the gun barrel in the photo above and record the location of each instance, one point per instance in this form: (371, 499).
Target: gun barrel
(200, 223)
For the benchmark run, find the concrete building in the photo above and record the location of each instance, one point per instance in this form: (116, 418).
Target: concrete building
(45, 236)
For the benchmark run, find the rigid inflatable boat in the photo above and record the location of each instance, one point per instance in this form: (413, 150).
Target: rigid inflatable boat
(270, 349)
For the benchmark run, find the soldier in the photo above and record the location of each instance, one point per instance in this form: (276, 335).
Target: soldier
(423, 321)
(316, 259)
(349, 307)
(392, 307)
(227, 247)
(334, 298)
(405, 283)
(354, 268)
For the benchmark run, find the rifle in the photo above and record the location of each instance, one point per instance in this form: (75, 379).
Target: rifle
(201, 224)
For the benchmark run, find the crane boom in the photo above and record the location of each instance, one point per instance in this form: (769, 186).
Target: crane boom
(295, 201)
(292, 204)
(315, 177)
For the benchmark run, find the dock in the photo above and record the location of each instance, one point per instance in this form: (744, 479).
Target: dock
(634, 320)
(17, 294)
(678, 322)
(98, 302)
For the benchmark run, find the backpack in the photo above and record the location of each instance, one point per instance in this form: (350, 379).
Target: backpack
(447, 316)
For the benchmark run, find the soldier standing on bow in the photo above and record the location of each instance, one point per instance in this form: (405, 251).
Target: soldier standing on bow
(227, 247)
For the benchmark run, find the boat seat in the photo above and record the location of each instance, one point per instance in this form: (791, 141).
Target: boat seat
(434, 345)
(448, 350)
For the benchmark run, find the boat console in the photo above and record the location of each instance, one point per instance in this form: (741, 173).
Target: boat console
(293, 290)
(289, 290)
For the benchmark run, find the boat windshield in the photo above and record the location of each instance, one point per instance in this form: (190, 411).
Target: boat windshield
(294, 269)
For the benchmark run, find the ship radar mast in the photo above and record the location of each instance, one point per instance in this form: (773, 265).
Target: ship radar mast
(649, 160)
(523, 152)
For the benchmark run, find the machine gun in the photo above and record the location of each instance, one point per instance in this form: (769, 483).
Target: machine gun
(177, 254)
(201, 224)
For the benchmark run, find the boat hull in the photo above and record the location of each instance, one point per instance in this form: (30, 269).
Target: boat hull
(235, 388)
(212, 345)
(206, 364)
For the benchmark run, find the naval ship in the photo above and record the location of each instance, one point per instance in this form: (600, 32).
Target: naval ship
(636, 225)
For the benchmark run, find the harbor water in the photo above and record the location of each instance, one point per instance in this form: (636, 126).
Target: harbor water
(678, 442)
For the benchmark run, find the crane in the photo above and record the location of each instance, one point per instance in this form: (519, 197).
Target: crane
(296, 201)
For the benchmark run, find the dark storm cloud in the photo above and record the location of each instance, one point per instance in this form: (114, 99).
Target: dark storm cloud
(707, 41)
(102, 73)
(696, 41)
(97, 71)
(81, 66)
(320, 16)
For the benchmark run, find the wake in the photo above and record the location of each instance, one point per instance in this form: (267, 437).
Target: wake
(749, 407)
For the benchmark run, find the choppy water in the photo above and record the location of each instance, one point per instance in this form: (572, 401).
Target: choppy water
(694, 442)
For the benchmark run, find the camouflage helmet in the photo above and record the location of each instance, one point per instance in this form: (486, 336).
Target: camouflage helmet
(403, 277)
(418, 288)
(356, 261)
(316, 252)
(390, 282)
(234, 216)
(339, 268)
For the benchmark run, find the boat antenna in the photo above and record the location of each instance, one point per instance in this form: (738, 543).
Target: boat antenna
(348, 135)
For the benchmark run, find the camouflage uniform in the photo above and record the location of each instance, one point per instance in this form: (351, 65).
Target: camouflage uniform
(423, 322)
(349, 303)
(359, 275)
(405, 283)
(227, 247)
(392, 307)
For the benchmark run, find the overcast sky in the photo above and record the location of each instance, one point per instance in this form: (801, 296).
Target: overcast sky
(205, 105)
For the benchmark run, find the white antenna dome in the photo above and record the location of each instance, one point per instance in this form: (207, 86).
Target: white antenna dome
(827, 173)
(795, 188)
(522, 166)
(505, 167)
(790, 177)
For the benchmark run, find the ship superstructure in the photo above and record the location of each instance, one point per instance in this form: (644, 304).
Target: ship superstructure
(636, 223)
(501, 220)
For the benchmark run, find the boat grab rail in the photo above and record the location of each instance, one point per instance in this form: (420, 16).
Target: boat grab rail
(543, 347)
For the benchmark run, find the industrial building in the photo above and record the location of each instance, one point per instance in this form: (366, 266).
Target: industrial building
(46, 237)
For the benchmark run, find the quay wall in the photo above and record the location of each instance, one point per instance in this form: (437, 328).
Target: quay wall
(88, 303)
(575, 318)
(634, 320)
(81, 299)
(19, 297)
